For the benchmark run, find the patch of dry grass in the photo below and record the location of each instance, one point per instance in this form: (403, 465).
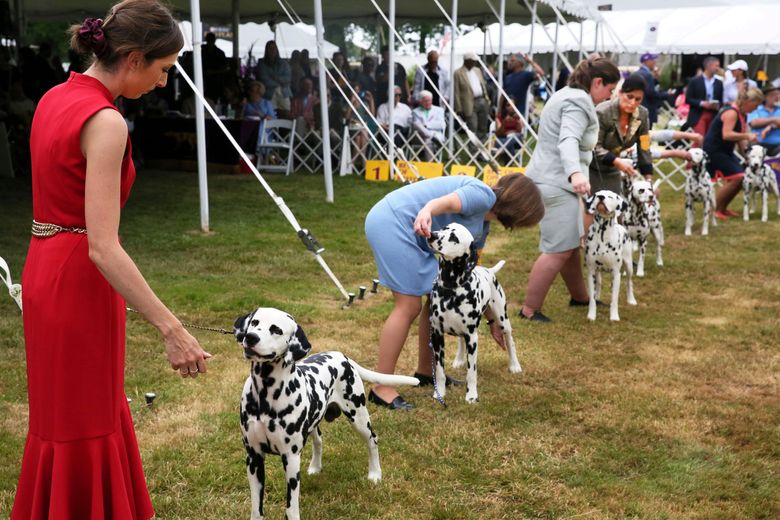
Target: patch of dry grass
(671, 413)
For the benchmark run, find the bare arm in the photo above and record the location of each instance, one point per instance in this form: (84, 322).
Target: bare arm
(103, 142)
(761, 122)
(729, 119)
(446, 204)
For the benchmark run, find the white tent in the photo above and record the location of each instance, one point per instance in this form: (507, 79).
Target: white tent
(253, 35)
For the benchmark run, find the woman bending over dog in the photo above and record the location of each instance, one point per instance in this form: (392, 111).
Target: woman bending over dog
(397, 228)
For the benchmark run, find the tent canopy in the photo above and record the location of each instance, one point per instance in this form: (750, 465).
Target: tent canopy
(469, 11)
(253, 35)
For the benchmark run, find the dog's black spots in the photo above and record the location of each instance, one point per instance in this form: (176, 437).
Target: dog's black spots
(332, 412)
(273, 329)
(453, 238)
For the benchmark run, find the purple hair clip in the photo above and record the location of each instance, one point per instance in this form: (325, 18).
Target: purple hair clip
(92, 35)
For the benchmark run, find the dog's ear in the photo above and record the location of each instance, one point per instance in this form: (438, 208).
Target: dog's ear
(590, 204)
(239, 327)
(299, 344)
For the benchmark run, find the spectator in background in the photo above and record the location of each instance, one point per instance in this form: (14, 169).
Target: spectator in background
(382, 76)
(736, 80)
(359, 114)
(402, 117)
(563, 77)
(214, 66)
(728, 128)
(437, 78)
(653, 97)
(274, 72)
(519, 80)
(428, 122)
(366, 76)
(296, 72)
(303, 105)
(341, 75)
(305, 64)
(704, 96)
(257, 107)
(765, 120)
(471, 101)
(509, 129)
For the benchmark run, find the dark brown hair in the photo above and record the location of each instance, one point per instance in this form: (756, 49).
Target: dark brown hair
(146, 26)
(588, 70)
(518, 201)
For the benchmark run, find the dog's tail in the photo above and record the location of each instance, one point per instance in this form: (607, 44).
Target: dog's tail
(383, 379)
(496, 268)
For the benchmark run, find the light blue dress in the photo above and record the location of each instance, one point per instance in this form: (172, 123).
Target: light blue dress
(405, 262)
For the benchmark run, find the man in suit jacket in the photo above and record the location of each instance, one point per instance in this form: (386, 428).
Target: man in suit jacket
(653, 97)
(471, 101)
(704, 95)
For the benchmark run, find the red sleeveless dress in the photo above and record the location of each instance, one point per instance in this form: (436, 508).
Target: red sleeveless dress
(81, 459)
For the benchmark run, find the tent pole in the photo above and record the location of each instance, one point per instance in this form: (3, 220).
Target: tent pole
(596, 39)
(554, 76)
(236, 22)
(451, 93)
(501, 20)
(200, 119)
(327, 167)
(391, 88)
(582, 45)
(533, 25)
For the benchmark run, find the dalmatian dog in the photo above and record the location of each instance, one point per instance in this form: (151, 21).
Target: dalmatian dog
(643, 217)
(698, 188)
(462, 293)
(286, 397)
(759, 178)
(608, 248)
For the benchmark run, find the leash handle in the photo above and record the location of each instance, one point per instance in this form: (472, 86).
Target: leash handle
(14, 289)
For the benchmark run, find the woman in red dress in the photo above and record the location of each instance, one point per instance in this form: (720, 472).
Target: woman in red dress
(81, 459)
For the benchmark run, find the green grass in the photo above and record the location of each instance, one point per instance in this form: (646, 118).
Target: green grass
(672, 413)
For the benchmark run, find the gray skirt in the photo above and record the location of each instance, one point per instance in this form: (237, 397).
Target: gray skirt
(561, 227)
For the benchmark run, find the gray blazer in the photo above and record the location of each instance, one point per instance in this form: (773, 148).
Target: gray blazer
(568, 132)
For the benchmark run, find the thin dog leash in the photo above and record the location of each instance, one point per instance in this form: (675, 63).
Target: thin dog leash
(191, 326)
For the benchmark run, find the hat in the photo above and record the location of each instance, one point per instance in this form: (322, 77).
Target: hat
(739, 64)
(769, 87)
(647, 56)
(470, 56)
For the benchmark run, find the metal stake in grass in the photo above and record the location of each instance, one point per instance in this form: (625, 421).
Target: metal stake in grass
(350, 301)
(374, 285)
(150, 397)
(362, 293)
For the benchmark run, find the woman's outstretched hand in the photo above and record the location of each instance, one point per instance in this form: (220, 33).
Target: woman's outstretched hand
(185, 353)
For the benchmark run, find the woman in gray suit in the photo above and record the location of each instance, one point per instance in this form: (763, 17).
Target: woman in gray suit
(568, 131)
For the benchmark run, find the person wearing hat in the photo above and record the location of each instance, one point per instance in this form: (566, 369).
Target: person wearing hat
(704, 95)
(736, 81)
(765, 120)
(653, 98)
(471, 101)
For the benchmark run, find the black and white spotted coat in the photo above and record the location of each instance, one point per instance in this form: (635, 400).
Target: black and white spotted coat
(286, 397)
(698, 188)
(759, 178)
(608, 248)
(642, 218)
(462, 293)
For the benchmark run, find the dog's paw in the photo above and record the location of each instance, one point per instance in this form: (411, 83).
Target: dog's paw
(472, 399)
(687, 232)
(515, 368)
(458, 363)
(592, 316)
(631, 301)
(640, 274)
(314, 469)
(614, 316)
(374, 476)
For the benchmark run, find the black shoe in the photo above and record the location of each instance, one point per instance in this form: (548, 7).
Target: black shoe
(399, 403)
(537, 316)
(575, 303)
(428, 380)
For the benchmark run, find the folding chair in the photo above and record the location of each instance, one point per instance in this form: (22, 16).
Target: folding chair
(276, 134)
